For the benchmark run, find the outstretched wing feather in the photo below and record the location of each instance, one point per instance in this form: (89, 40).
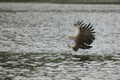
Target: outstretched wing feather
(86, 31)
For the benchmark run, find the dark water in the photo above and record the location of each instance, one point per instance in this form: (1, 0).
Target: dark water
(58, 66)
(33, 47)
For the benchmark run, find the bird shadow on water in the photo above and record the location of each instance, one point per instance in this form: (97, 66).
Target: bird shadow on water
(93, 57)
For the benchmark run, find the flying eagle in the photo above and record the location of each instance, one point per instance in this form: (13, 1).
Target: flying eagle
(84, 36)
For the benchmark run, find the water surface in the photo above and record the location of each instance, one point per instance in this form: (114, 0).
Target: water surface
(33, 47)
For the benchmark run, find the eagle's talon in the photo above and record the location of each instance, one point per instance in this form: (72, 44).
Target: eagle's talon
(69, 46)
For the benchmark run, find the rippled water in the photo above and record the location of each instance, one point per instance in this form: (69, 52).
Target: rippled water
(33, 47)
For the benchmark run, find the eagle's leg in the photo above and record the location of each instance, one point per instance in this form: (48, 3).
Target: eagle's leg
(72, 55)
(70, 46)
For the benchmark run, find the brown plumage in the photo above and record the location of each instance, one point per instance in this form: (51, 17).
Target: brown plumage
(84, 36)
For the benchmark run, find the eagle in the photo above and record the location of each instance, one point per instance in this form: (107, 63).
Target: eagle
(83, 37)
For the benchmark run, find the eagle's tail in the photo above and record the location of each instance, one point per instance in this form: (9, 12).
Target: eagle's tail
(85, 46)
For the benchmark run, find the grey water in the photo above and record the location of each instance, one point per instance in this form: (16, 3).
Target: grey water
(33, 47)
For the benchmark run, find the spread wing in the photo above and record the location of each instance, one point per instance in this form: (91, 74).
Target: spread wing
(85, 32)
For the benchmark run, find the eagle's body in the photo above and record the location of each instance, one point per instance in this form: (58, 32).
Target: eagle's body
(84, 36)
